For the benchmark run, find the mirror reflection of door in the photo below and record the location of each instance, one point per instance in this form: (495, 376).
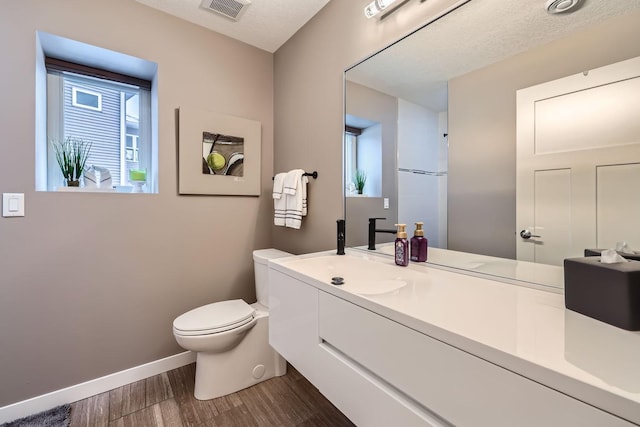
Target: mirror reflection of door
(578, 163)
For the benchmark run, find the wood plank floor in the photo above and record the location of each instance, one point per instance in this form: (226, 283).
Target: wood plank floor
(167, 400)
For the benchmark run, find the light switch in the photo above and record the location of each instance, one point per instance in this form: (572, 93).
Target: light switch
(386, 203)
(12, 204)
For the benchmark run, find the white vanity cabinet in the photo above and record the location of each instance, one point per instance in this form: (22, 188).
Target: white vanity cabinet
(380, 372)
(293, 322)
(293, 332)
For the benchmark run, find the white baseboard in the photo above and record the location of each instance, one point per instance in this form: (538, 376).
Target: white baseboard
(93, 387)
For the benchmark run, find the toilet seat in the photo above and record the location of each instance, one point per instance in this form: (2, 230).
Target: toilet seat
(214, 318)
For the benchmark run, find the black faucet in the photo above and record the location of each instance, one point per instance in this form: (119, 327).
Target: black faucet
(341, 236)
(373, 230)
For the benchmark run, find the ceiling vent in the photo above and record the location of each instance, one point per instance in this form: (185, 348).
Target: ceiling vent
(232, 9)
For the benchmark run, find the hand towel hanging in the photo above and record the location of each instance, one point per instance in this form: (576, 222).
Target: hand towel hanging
(279, 200)
(293, 196)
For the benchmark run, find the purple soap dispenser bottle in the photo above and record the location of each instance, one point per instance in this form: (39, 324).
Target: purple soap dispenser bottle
(419, 244)
(402, 246)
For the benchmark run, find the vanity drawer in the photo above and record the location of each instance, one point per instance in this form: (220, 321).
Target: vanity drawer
(366, 400)
(461, 388)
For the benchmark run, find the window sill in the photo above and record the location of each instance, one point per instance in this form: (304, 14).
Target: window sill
(85, 190)
(124, 189)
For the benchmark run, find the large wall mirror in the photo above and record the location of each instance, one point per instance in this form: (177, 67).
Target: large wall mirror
(512, 133)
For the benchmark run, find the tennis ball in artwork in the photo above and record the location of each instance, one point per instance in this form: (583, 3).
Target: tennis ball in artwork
(216, 161)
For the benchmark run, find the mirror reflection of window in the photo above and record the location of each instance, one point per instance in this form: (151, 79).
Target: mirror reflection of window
(350, 155)
(363, 157)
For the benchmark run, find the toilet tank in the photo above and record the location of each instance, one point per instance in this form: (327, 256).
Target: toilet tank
(260, 259)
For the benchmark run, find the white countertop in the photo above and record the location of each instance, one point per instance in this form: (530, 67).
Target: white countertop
(525, 330)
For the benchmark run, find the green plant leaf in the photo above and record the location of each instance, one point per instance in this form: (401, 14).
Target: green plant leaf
(360, 179)
(71, 156)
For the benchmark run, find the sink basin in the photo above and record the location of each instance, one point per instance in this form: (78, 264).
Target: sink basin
(374, 287)
(361, 275)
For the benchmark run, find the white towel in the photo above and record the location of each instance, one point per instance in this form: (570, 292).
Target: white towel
(292, 180)
(295, 191)
(279, 202)
(278, 183)
(305, 181)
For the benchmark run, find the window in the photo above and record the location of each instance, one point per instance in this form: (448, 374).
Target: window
(86, 99)
(98, 102)
(112, 123)
(131, 153)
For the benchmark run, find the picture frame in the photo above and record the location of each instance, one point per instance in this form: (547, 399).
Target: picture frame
(218, 154)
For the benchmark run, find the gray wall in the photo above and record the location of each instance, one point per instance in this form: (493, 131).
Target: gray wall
(482, 130)
(376, 106)
(309, 104)
(90, 283)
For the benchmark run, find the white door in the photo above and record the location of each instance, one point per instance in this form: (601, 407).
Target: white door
(578, 164)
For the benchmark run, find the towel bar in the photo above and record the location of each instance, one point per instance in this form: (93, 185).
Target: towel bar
(313, 174)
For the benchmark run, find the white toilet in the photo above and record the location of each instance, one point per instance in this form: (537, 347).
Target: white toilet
(232, 339)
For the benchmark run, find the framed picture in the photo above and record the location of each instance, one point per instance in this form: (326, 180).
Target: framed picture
(218, 154)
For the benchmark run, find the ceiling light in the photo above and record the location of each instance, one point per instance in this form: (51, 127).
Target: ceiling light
(376, 6)
(561, 6)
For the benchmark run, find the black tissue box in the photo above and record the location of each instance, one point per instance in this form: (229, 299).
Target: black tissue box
(607, 292)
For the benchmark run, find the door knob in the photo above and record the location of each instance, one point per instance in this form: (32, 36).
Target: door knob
(526, 234)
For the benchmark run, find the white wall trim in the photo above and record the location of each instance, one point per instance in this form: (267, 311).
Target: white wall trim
(94, 387)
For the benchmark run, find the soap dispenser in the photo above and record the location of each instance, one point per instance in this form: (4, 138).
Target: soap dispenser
(419, 244)
(402, 246)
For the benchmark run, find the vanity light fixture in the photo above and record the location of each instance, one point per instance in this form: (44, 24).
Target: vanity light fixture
(376, 6)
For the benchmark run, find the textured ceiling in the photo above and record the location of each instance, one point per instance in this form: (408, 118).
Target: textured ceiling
(266, 24)
(478, 34)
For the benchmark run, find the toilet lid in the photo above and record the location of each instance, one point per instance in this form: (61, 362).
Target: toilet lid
(212, 318)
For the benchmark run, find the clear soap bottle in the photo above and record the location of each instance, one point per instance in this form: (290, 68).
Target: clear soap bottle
(419, 244)
(402, 246)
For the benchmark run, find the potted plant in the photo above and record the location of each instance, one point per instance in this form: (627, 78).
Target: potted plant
(360, 179)
(71, 155)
